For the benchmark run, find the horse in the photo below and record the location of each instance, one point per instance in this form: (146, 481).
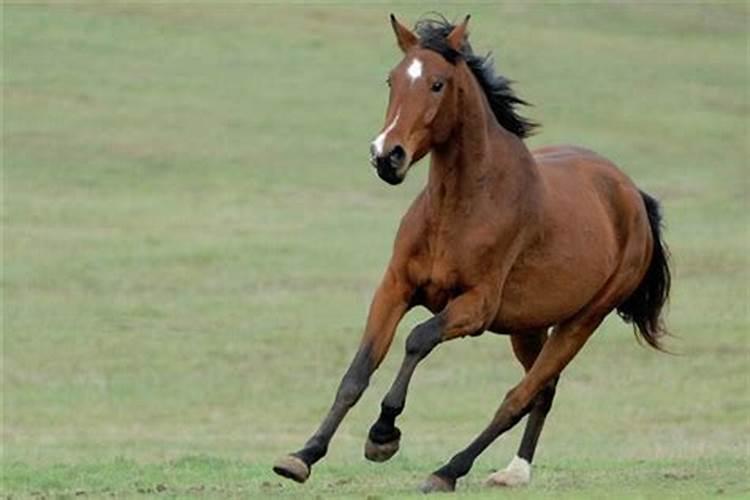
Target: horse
(538, 245)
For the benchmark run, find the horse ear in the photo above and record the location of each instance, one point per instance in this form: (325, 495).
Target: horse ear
(457, 36)
(404, 36)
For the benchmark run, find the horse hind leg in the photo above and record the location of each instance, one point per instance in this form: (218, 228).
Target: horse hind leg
(558, 350)
(526, 347)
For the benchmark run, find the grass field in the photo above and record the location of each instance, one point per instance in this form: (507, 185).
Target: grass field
(192, 235)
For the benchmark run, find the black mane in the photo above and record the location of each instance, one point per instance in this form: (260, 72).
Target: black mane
(433, 31)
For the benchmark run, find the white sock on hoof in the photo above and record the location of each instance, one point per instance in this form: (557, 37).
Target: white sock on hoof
(517, 473)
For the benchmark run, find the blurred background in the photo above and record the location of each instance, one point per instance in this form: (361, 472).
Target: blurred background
(192, 235)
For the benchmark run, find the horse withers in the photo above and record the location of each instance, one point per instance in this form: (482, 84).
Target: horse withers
(539, 245)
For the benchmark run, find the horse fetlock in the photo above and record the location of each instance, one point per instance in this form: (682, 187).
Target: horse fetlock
(315, 449)
(382, 433)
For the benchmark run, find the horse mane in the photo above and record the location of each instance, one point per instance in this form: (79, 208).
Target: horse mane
(433, 33)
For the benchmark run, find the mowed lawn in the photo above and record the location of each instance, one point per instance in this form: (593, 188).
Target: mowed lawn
(192, 235)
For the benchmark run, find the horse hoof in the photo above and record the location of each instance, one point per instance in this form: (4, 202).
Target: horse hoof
(504, 479)
(517, 473)
(435, 484)
(377, 452)
(292, 468)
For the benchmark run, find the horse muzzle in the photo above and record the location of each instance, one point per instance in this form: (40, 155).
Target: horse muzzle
(391, 166)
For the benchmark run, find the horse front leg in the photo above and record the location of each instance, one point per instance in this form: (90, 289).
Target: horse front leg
(388, 307)
(467, 314)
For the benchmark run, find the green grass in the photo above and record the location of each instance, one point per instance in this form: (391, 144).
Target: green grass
(212, 477)
(192, 235)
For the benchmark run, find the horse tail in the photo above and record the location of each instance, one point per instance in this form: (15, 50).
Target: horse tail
(644, 307)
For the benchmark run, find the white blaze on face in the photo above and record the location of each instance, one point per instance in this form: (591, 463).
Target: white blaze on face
(415, 70)
(380, 140)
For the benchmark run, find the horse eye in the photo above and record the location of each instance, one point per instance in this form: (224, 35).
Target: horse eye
(388, 81)
(437, 86)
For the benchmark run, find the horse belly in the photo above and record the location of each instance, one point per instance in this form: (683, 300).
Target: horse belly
(549, 285)
(539, 301)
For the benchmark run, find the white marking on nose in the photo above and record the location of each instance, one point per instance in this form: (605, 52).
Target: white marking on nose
(415, 70)
(380, 140)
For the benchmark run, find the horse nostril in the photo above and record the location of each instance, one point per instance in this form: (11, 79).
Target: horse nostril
(396, 157)
(398, 154)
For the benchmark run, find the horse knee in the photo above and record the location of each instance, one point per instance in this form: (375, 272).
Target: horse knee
(511, 404)
(423, 338)
(350, 390)
(356, 378)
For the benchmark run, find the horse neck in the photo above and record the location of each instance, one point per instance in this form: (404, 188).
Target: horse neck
(480, 158)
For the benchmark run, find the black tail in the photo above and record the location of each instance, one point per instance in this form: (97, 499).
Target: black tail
(644, 307)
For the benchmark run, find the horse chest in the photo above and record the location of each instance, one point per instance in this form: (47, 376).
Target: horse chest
(438, 279)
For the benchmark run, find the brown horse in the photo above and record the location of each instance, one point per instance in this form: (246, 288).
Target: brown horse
(501, 239)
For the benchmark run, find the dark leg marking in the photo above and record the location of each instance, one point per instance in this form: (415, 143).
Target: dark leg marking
(535, 423)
